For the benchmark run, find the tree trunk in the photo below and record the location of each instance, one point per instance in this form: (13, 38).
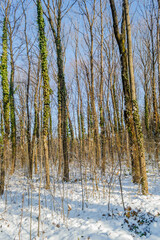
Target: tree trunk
(132, 122)
(158, 50)
(12, 107)
(34, 148)
(62, 92)
(102, 121)
(135, 109)
(5, 89)
(153, 83)
(27, 99)
(93, 107)
(63, 96)
(46, 87)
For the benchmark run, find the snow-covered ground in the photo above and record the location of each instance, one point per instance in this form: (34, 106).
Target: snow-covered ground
(61, 214)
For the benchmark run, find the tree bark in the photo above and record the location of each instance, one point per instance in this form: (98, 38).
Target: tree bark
(132, 120)
(62, 92)
(27, 99)
(5, 89)
(135, 109)
(102, 120)
(12, 105)
(46, 87)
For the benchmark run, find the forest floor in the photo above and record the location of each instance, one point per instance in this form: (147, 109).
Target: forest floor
(61, 213)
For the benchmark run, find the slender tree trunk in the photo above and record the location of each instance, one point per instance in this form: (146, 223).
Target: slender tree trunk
(63, 96)
(62, 92)
(93, 107)
(153, 83)
(46, 87)
(71, 133)
(89, 118)
(12, 107)
(51, 137)
(60, 152)
(135, 109)
(127, 93)
(22, 131)
(27, 99)
(158, 50)
(102, 121)
(116, 103)
(2, 165)
(5, 89)
(80, 116)
(34, 138)
(146, 112)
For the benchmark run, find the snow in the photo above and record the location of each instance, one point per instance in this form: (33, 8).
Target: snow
(62, 217)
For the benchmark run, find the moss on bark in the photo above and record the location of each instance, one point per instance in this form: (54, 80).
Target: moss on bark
(46, 87)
